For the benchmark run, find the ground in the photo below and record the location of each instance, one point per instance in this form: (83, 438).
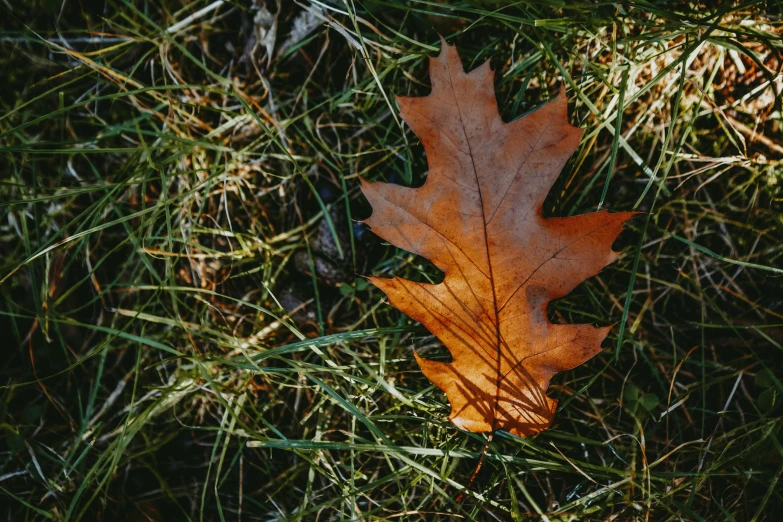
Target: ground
(186, 331)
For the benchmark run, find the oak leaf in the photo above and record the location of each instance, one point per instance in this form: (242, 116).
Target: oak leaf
(478, 219)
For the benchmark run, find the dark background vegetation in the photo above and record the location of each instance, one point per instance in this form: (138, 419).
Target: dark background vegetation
(184, 333)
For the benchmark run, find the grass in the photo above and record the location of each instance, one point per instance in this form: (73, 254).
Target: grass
(185, 332)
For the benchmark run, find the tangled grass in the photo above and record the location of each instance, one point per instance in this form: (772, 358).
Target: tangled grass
(186, 333)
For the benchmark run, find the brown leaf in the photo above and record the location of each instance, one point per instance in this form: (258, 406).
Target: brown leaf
(478, 219)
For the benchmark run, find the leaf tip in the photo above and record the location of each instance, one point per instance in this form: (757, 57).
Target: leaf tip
(443, 42)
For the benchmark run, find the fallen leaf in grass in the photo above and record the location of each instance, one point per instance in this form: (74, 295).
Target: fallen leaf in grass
(478, 219)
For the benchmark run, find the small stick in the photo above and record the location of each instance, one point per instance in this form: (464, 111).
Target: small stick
(476, 471)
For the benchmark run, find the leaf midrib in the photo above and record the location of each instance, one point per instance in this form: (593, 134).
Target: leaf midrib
(496, 318)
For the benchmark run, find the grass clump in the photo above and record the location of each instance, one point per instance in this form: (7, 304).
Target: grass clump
(185, 332)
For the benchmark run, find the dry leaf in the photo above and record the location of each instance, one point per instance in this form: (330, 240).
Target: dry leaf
(478, 219)
(307, 21)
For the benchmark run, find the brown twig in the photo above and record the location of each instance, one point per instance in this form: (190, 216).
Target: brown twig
(476, 471)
